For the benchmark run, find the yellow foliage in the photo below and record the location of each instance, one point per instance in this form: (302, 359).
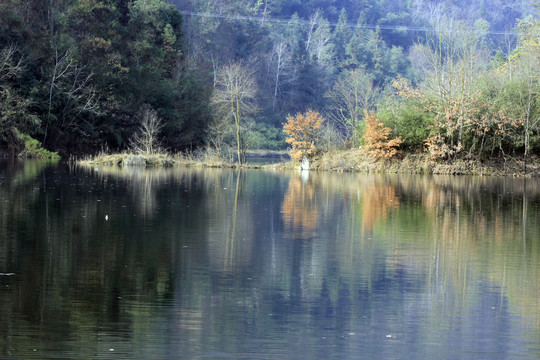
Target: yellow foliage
(303, 131)
(99, 43)
(299, 210)
(377, 139)
(379, 199)
(404, 89)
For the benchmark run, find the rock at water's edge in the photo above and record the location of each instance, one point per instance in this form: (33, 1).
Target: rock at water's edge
(134, 160)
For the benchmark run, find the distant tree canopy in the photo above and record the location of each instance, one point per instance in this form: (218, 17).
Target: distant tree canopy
(341, 58)
(74, 74)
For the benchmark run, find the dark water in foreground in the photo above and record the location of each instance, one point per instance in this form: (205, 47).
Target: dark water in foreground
(212, 264)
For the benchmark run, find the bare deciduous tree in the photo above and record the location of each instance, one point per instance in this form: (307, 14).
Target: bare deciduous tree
(318, 42)
(312, 26)
(281, 67)
(10, 66)
(352, 95)
(13, 107)
(234, 99)
(454, 63)
(146, 140)
(71, 94)
(524, 66)
(63, 64)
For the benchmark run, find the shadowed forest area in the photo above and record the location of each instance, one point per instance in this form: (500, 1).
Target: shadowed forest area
(451, 78)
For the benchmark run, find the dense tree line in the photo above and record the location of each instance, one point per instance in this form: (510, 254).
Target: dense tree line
(447, 76)
(469, 103)
(74, 74)
(348, 57)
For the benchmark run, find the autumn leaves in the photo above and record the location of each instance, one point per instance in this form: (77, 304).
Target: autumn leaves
(304, 132)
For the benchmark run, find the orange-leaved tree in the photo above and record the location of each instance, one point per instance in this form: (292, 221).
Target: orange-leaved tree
(303, 131)
(377, 138)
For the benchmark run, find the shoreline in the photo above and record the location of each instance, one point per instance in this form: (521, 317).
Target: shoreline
(358, 161)
(338, 161)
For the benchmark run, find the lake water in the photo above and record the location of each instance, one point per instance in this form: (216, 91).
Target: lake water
(208, 264)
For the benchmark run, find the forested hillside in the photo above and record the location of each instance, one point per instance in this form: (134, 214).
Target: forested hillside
(74, 74)
(450, 75)
(299, 48)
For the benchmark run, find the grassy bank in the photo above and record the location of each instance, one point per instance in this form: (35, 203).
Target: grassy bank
(359, 161)
(177, 160)
(130, 159)
(344, 161)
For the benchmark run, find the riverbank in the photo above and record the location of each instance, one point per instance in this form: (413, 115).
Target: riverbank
(180, 160)
(359, 161)
(340, 161)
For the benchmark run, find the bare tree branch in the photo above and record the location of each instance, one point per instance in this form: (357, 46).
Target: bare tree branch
(234, 98)
(146, 141)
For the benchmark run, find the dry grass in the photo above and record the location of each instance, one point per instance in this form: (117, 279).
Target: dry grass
(355, 160)
(360, 161)
(206, 159)
(120, 159)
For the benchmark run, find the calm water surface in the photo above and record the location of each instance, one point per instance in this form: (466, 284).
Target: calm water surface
(208, 264)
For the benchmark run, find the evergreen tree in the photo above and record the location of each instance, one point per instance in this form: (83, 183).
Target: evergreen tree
(342, 36)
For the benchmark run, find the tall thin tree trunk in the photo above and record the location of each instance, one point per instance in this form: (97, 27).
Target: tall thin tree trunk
(238, 140)
(51, 88)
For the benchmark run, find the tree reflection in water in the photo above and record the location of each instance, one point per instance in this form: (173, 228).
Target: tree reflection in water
(299, 209)
(221, 262)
